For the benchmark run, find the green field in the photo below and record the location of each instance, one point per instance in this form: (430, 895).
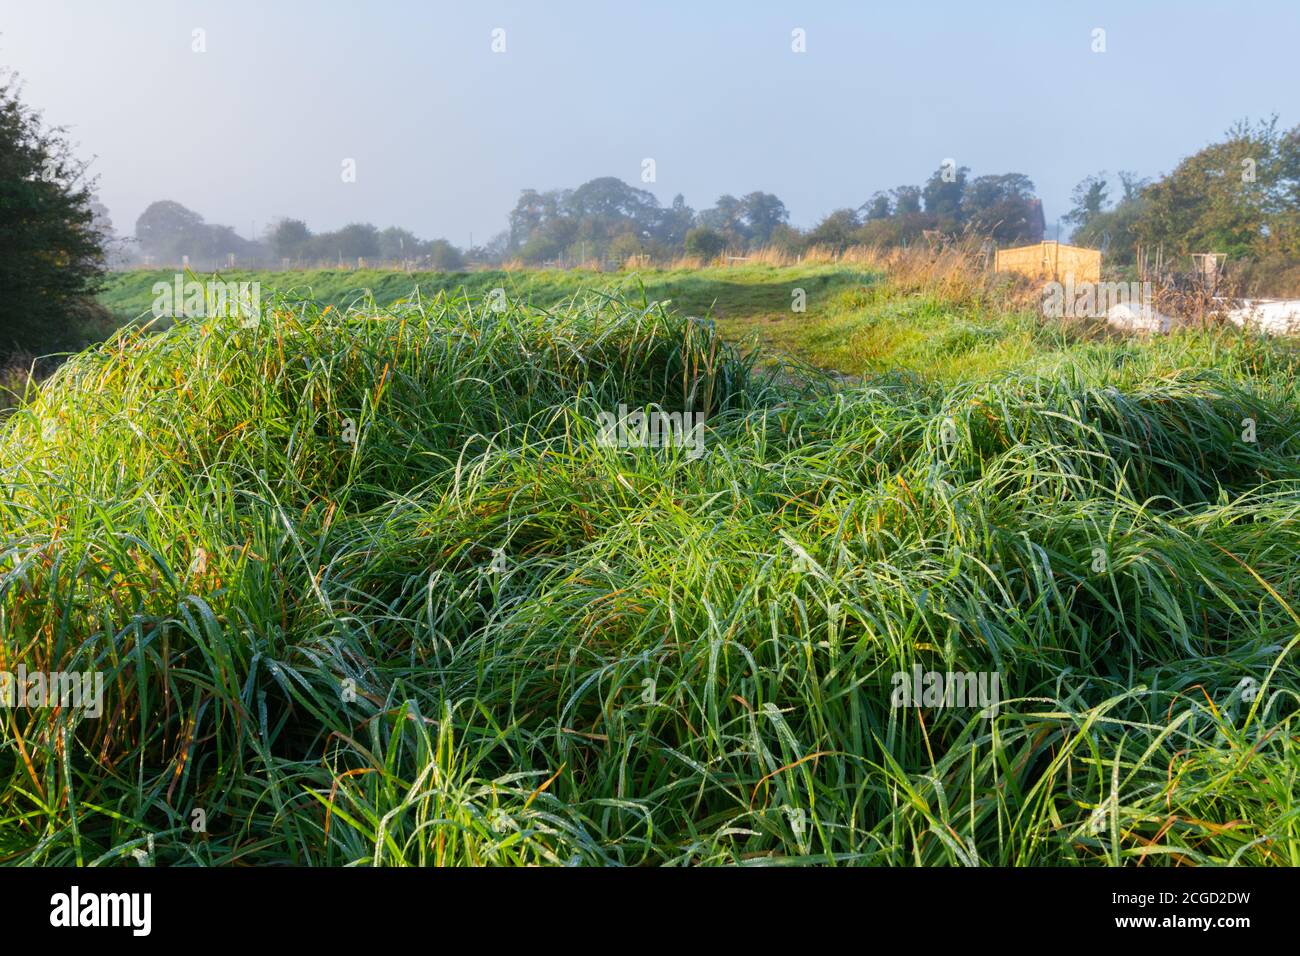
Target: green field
(367, 588)
(743, 290)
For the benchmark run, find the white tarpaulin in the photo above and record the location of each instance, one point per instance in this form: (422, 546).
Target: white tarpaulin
(1137, 317)
(1271, 316)
(1275, 316)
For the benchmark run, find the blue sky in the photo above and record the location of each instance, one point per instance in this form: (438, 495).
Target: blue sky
(445, 132)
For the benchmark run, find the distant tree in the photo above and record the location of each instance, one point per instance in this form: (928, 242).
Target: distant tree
(117, 255)
(556, 235)
(611, 198)
(1113, 231)
(223, 242)
(443, 256)
(674, 223)
(494, 250)
(907, 201)
(1090, 198)
(787, 239)
(1004, 208)
(705, 243)
(761, 213)
(289, 239)
(1110, 228)
(531, 212)
(879, 206)
(610, 207)
(586, 220)
(726, 216)
(1132, 185)
(942, 195)
(51, 254)
(625, 245)
(835, 231)
(396, 243)
(168, 231)
(356, 240)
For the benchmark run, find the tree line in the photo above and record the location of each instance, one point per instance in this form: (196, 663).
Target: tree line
(608, 219)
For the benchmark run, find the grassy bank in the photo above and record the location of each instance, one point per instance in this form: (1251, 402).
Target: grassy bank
(366, 588)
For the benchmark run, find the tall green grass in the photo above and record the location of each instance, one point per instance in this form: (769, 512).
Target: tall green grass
(463, 631)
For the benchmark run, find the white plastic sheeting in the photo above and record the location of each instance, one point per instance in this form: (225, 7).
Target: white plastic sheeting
(1137, 317)
(1274, 316)
(1271, 316)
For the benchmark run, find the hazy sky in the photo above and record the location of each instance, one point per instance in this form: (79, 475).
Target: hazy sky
(445, 132)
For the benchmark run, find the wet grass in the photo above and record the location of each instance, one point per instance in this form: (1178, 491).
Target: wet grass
(366, 588)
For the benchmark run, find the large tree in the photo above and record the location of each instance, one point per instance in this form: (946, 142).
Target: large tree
(397, 243)
(907, 200)
(675, 222)
(51, 253)
(1230, 197)
(356, 240)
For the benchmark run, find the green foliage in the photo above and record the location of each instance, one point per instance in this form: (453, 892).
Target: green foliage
(1226, 197)
(289, 239)
(1239, 197)
(51, 254)
(1113, 229)
(1090, 197)
(545, 226)
(625, 246)
(748, 222)
(606, 218)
